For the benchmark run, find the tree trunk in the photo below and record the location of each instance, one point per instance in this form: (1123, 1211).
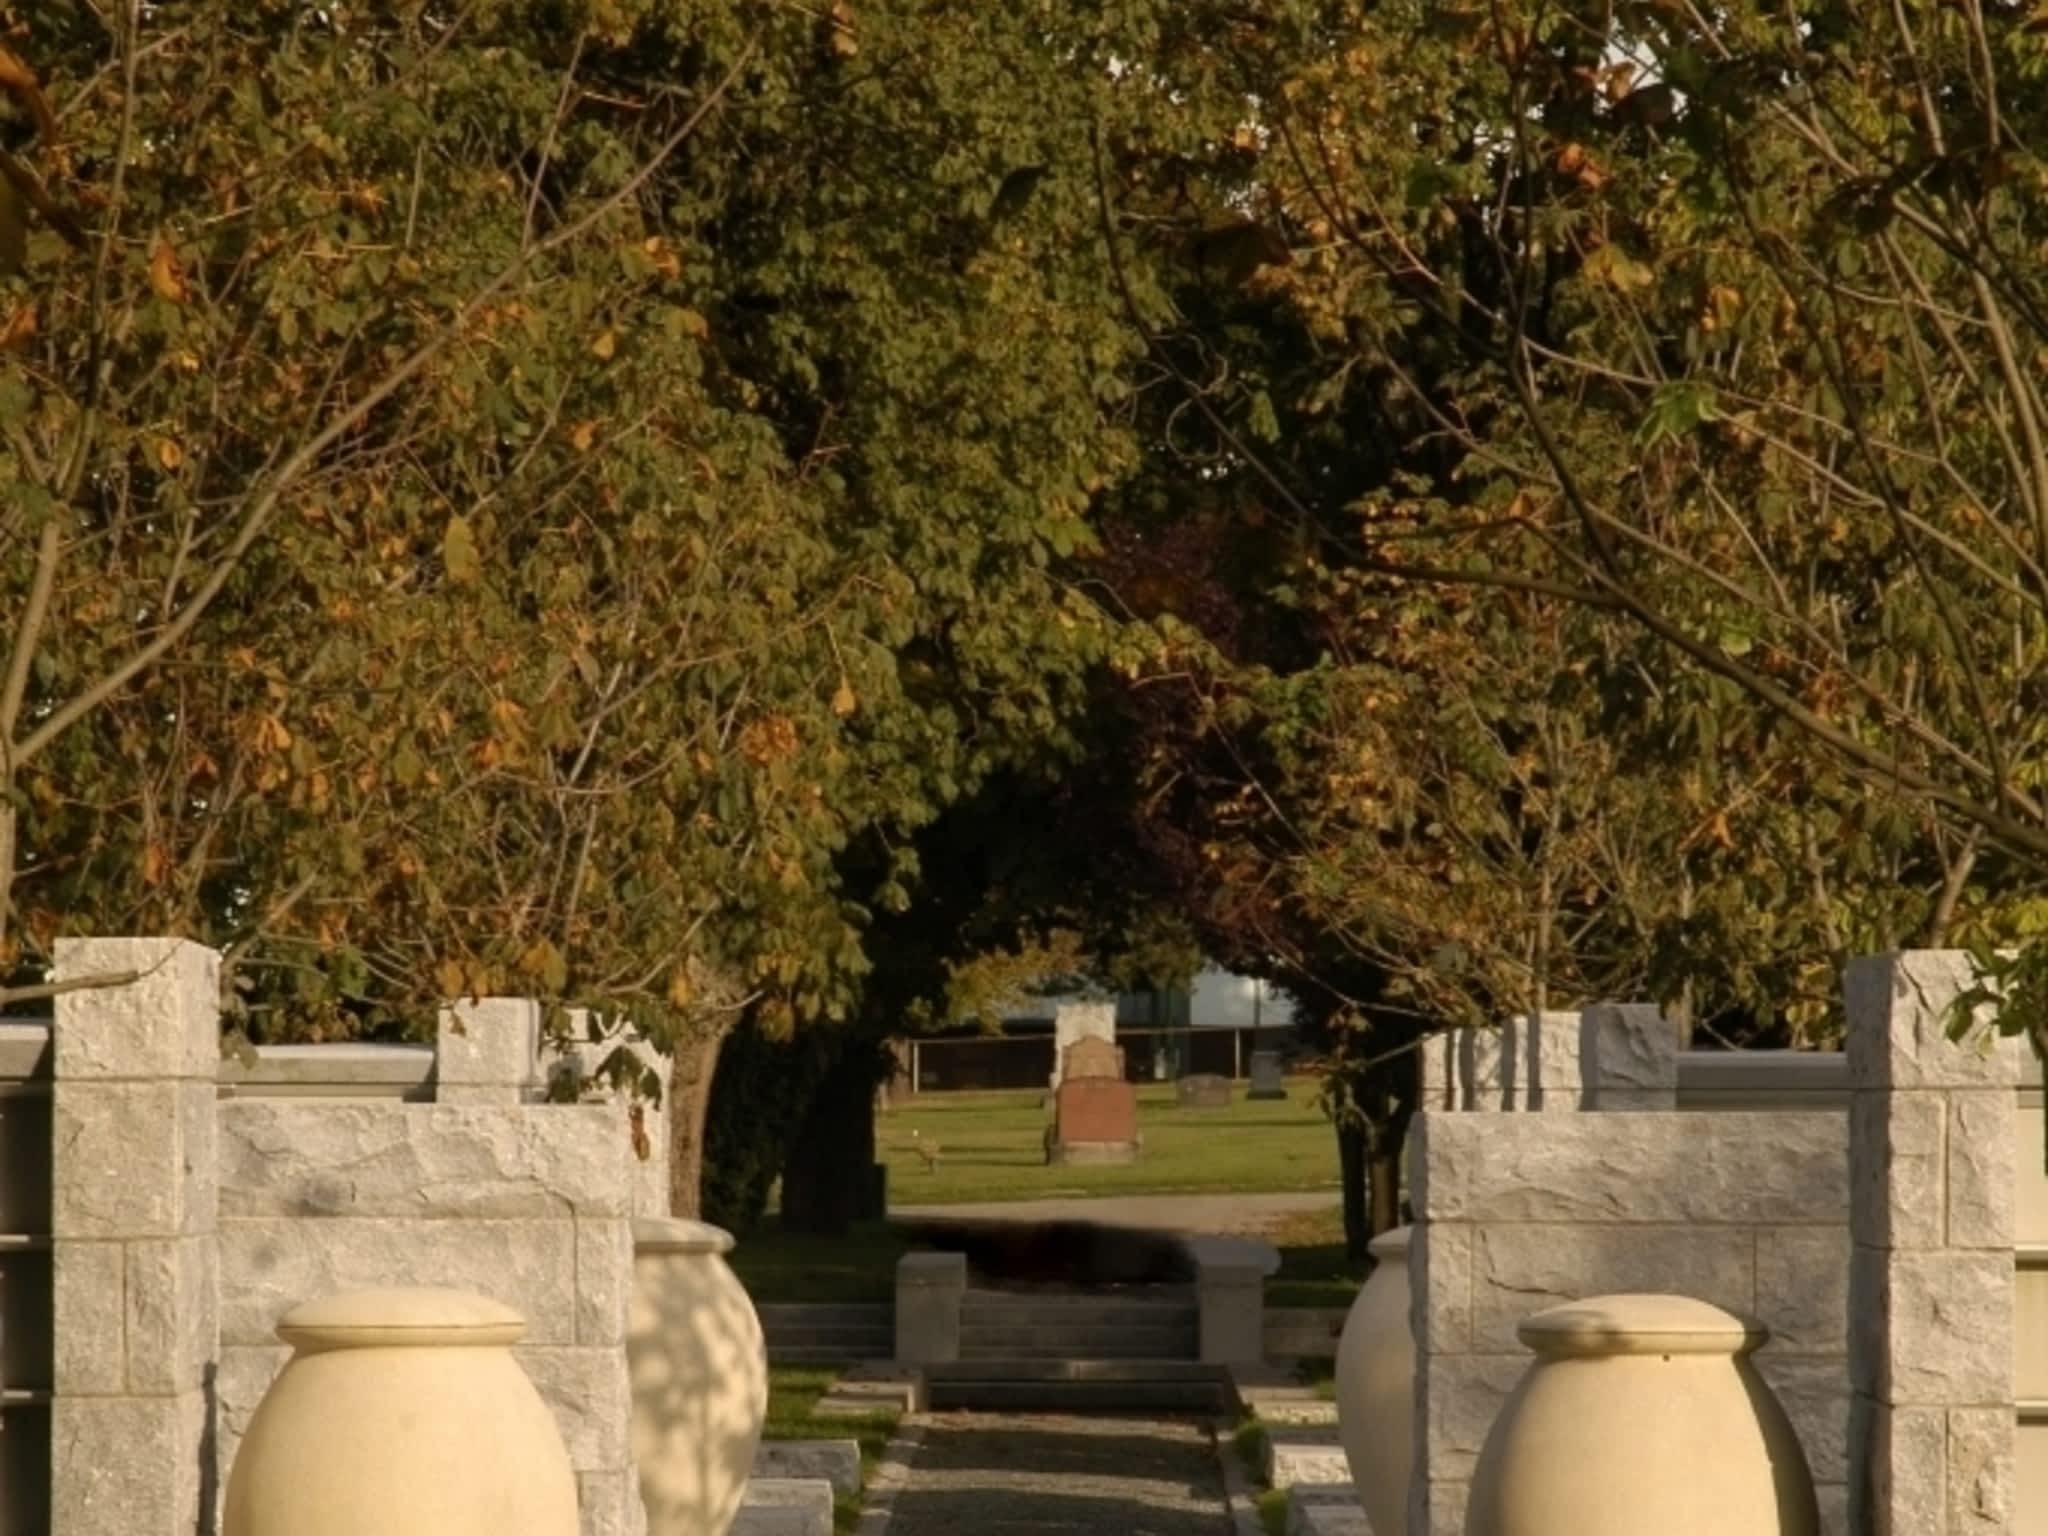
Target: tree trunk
(689, 1103)
(830, 1162)
(1352, 1165)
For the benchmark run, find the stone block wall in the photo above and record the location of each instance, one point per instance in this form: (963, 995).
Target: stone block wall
(194, 1202)
(1934, 1136)
(1519, 1212)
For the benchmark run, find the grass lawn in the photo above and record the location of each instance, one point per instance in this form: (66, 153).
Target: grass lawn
(992, 1147)
(777, 1266)
(1313, 1269)
(793, 1393)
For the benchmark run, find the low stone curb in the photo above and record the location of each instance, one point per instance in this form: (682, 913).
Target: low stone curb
(1326, 1509)
(785, 1506)
(891, 1474)
(836, 1461)
(1304, 1454)
(1238, 1495)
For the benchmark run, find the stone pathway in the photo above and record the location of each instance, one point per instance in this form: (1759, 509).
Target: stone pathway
(1039, 1474)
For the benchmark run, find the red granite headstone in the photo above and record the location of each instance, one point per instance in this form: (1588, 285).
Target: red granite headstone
(1095, 1109)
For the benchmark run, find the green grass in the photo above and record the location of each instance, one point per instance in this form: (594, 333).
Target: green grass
(775, 1265)
(992, 1147)
(1250, 1445)
(793, 1393)
(1314, 1271)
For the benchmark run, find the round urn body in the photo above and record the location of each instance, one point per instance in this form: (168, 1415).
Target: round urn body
(700, 1377)
(401, 1412)
(1376, 1386)
(1642, 1413)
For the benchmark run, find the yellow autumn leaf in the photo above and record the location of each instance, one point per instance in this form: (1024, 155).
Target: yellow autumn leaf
(680, 988)
(844, 43)
(164, 276)
(582, 436)
(843, 701)
(168, 453)
(19, 329)
(605, 346)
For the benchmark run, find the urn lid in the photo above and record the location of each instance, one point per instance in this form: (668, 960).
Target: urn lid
(1641, 1324)
(400, 1316)
(671, 1234)
(1391, 1244)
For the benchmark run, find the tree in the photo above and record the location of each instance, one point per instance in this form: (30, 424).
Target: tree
(606, 459)
(1722, 319)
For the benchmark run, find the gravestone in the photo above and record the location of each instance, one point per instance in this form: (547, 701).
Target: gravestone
(1095, 1120)
(1092, 1058)
(1075, 1022)
(1204, 1090)
(1266, 1082)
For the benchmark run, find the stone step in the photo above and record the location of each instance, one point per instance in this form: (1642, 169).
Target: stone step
(1068, 1385)
(872, 1388)
(1325, 1509)
(1303, 1454)
(1112, 1314)
(1098, 1371)
(1086, 1342)
(815, 1333)
(836, 1461)
(1005, 1396)
(828, 1354)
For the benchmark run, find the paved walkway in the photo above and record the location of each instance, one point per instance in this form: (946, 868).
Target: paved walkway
(1237, 1215)
(1037, 1474)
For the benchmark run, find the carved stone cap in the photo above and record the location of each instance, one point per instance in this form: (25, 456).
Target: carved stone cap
(1391, 1244)
(1641, 1324)
(672, 1234)
(415, 1316)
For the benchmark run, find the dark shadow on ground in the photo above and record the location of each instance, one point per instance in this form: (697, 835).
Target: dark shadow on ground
(1059, 1253)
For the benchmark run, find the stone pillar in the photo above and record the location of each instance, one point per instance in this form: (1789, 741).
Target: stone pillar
(930, 1289)
(1230, 1294)
(486, 1051)
(1545, 1051)
(1630, 1056)
(1931, 1284)
(134, 1202)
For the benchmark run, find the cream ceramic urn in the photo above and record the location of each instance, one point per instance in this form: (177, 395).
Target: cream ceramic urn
(1376, 1386)
(1642, 1413)
(700, 1377)
(401, 1412)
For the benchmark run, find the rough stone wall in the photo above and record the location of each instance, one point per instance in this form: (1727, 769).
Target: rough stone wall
(1519, 1212)
(528, 1204)
(1611, 1056)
